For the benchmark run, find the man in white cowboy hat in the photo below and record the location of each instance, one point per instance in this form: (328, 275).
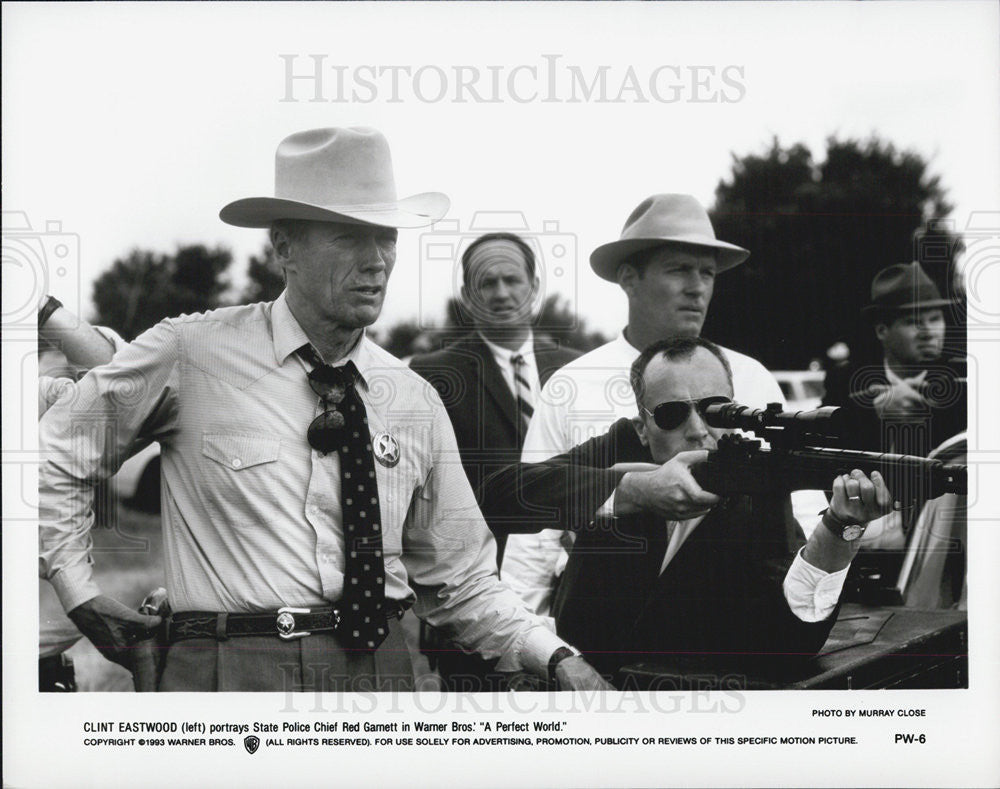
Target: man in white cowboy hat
(312, 489)
(666, 261)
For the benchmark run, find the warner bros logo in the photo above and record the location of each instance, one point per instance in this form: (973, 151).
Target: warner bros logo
(251, 742)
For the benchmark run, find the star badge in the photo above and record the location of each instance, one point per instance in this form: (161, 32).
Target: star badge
(386, 449)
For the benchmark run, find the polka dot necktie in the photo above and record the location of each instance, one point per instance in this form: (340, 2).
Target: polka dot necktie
(343, 428)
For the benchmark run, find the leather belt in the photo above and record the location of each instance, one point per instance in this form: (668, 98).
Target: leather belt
(286, 623)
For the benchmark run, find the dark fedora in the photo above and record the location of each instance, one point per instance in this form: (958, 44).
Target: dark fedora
(903, 286)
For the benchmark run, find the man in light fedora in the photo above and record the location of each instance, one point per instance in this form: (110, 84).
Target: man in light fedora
(312, 488)
(666, 262)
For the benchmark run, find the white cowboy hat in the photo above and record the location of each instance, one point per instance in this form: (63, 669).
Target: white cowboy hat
(336, 175)
(664, 220)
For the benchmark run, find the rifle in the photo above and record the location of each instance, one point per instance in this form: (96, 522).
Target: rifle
(808, 449)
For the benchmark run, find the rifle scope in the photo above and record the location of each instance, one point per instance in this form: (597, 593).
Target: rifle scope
(830, 422)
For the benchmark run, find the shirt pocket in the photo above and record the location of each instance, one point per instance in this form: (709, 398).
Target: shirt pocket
(240, 452)
(396, 488)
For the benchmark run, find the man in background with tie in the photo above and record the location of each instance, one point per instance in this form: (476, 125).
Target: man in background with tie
(489, 380)
(912, 400)
(490, 377)
(311, 489)
(914, 389)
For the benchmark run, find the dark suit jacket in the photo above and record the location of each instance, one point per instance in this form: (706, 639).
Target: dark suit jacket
(481, 405)
(854, 387)
(721, 593)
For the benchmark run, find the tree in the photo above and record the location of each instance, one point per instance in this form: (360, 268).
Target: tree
(817, 233)
(141, 289)
(406, 338)
(266, 278)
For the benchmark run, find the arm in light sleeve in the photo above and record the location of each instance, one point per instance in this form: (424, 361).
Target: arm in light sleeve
(450, 558)
(50, 389)
(116, 341)
(84, 438)
(812, 594)
(532, 563)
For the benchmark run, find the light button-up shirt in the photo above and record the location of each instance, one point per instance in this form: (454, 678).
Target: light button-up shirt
(251, 514)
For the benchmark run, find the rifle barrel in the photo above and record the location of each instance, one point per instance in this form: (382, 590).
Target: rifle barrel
(730, 471)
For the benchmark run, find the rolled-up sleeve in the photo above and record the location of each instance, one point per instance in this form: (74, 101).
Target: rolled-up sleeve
(84, 438)
(450, 558)
(812, 594)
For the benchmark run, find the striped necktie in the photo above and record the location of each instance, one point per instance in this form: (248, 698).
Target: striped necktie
(522, 389)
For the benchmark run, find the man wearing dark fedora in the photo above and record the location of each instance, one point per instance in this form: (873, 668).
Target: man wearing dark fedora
(666, 262)
(311, 487)
(914, 392)
(909, 401)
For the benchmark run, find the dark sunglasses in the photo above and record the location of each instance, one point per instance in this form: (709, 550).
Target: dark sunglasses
(330, 383)
(674, 413)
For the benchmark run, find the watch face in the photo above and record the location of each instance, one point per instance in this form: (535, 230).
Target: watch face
(851, 533)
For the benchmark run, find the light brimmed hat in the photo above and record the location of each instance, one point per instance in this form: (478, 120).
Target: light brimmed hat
(901, 287)
(336, 175)
(665, 220)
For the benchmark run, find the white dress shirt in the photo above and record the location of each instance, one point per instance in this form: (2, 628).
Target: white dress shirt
(529, 370)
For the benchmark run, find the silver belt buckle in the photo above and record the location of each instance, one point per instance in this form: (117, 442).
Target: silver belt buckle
(285, 623)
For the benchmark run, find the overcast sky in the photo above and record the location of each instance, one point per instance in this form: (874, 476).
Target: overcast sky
(132, 125)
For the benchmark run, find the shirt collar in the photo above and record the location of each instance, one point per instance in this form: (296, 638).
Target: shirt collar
(627, 348)
(288, 336)
(505, 354)
(893, 378)
(286, 333)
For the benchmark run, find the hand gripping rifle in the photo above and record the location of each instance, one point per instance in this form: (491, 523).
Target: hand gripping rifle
(807, 451)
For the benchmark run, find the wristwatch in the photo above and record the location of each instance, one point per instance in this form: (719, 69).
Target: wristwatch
(848, 532)
(558, 657)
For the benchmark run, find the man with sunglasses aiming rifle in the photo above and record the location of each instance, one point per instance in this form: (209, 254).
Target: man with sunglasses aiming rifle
(666, 262)
(661, 566)
(312, 487)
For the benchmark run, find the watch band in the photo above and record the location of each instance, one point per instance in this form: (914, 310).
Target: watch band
(51, 305)
(558, 657)
(843, 530)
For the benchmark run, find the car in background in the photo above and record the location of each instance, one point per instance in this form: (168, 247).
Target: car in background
(802, 389)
